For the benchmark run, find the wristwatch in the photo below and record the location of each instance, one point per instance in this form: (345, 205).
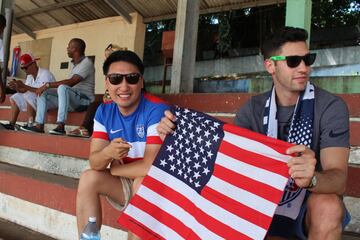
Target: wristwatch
(47, 85)
(312, 183)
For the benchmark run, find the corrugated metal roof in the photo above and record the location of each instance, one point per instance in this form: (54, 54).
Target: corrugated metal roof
(32, 15)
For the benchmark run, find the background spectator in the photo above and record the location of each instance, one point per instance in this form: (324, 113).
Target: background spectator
(72, 94)
(25, 99)
(86, 128)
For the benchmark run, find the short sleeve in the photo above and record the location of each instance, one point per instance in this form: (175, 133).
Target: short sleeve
(334, 125)
(51, 77)
(48, 77)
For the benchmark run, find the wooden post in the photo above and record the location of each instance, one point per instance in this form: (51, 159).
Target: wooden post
(183, 67)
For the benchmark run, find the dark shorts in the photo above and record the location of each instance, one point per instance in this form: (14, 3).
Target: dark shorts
(288, 228)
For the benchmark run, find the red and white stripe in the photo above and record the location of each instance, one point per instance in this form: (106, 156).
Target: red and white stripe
(100, 131)
(238, 202)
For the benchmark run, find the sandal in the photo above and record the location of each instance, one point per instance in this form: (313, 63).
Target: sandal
(79, 132)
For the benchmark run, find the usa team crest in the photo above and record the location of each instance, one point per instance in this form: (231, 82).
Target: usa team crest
(291, 192)
(140, 130)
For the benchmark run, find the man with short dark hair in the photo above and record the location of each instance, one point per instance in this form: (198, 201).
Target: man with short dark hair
(317, 121)
(72, 94)
(124, 137)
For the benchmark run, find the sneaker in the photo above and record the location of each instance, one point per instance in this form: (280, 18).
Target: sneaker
(8, 126)
(59, 130)
(34, 129)
(22, 127)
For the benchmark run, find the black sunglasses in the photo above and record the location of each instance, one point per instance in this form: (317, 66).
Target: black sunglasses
(294, 61)
(117, 78)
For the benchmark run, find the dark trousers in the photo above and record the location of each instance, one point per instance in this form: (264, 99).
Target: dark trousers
(88, 121)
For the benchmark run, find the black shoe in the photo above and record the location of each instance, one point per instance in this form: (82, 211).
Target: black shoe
(34, 129)
(59, 130)
(8, 126)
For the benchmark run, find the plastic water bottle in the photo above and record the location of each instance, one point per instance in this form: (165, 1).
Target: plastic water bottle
(91, 231)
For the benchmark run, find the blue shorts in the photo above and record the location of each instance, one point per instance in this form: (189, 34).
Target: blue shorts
(287, 228)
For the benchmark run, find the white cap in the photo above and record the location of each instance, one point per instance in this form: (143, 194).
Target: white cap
(92, 219)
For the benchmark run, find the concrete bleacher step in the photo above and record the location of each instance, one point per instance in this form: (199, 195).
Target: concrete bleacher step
(206, 102)
(74, 118)
(12, 231)
(45, 203)
(46, 143)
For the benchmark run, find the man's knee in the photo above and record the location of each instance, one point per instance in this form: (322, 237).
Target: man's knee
(62, 89)
(42, 97)
(89, 179)
(325, 210)
(30, 104)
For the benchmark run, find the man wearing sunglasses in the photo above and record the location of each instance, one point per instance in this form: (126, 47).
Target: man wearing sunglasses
(72, 94)
(124, 137)
(317, 122)
(25, 98)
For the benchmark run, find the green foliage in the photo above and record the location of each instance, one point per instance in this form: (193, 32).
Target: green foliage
(335, 13)
(224, 33)
(154, 33)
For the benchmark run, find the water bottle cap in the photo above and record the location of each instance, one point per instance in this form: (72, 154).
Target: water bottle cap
(92, 219)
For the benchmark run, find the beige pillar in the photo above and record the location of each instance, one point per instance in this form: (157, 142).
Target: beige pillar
(139, 37)
(183, 67)
(298, 14)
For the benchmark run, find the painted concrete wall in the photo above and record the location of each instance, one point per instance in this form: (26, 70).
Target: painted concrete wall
(97, 35)
(250, 64)
(258, 84)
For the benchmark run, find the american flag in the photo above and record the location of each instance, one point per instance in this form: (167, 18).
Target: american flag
(210, 180)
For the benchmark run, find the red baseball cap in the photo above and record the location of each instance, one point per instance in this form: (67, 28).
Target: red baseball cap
(27, 59)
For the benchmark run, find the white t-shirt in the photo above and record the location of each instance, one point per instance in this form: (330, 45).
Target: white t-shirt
(22, 99)
(42, 77)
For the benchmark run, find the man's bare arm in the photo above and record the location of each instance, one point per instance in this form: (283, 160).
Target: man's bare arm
(332, 179)
(138, 168)
(103, 152)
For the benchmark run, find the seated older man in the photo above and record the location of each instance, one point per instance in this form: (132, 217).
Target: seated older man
(25, 100)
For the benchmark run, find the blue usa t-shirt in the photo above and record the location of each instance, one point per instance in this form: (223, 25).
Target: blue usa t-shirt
(138, 128)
